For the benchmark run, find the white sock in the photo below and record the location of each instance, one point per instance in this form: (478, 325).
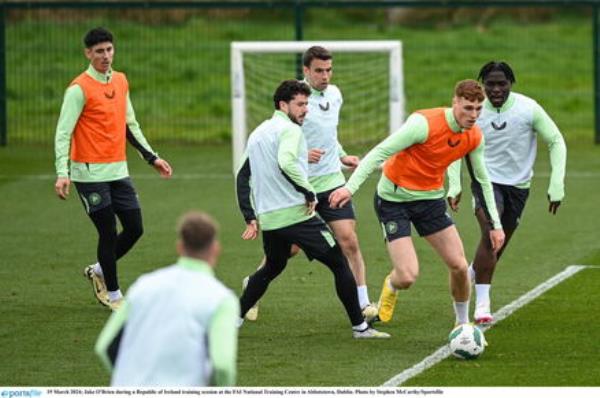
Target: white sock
(114, 296)
(471, 273)
(461, 309)
(360, 328)
(98, 270)
(483, 294)
(389, 282)
(363, 296)
(240, 322)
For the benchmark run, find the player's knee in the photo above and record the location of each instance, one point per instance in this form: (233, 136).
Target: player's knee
(404, 280)
(107, 236)
(348, 243)
(136, 231)
(458, 265)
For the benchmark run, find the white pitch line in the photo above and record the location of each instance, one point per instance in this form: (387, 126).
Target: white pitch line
(443, 352)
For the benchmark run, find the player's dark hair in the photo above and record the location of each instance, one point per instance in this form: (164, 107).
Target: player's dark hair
(197, 231)
(288, 89)
(97, 35)
(494, 66)
(317, 52)
(469, 89)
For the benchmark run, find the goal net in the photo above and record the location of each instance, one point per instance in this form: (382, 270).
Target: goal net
(368, 73)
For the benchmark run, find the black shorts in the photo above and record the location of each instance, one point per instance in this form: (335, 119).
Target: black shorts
(329, 214)
(510, 202)
(428, 217)
(119, 194)
(313, 236)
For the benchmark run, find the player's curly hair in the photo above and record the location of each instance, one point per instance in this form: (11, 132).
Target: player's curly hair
(493, 66)
(97, 35)
(288, 89)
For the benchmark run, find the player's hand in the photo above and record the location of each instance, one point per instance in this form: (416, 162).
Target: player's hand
(553, 205)
(315, 154)
(350, 161)
(453, 202)
(497, 239)
(310, 207)
(163, 167)
(251, 231)
(339, 198)
(61, 187)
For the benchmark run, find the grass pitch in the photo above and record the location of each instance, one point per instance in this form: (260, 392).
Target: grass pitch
(50, 320)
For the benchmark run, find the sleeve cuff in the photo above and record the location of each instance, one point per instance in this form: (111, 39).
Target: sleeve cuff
(152, 159)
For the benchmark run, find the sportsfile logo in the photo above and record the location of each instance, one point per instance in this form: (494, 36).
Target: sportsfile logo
(20, 393)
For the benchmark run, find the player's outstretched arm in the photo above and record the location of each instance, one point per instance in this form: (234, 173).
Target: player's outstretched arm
(339, 197)
(415, 130)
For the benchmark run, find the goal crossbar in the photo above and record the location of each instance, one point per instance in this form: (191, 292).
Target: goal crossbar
(238, 90)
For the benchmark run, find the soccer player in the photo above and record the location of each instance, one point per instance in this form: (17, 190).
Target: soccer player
(411, 189)
(275, 173)
(510, 123)
(326, 157)
(95, 120)
(177, 326)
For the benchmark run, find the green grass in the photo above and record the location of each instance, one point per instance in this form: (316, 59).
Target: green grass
(50, 319)
(179, 72)
(550, 342)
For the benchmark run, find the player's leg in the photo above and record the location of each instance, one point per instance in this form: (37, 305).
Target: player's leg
(448, 245)
(277, 251)
(432, 222)
(96, 201)
(510, 202)
(131, 221)
(252, 313)
(316, 240)
(405, 270)
(127, 208)
(484, 261)
(395, 222)
(345, 234)
(342, 223)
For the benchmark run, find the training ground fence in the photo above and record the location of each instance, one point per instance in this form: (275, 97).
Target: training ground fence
(176, 55)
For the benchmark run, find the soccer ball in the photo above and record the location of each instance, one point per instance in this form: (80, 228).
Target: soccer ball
(466, 341)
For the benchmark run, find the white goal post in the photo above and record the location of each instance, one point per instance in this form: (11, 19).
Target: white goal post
(238, 80)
